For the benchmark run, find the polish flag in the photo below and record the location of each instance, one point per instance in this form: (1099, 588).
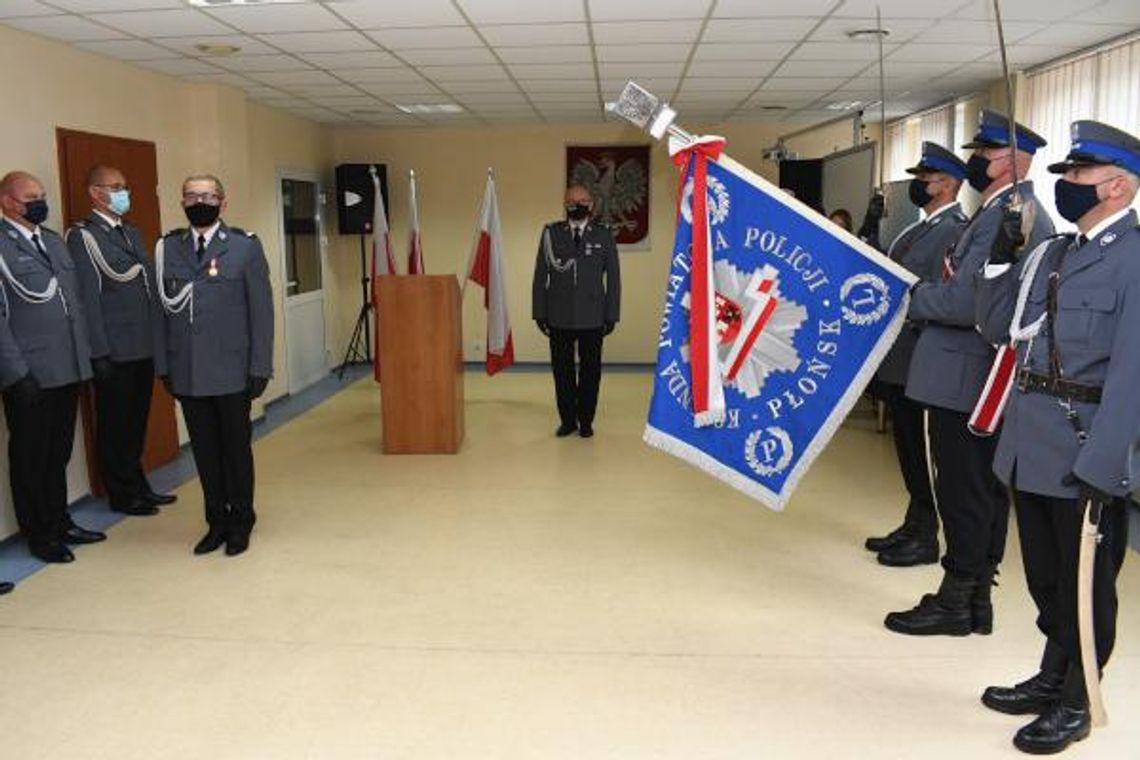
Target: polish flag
(485, 267)
(383, 262)
(415, 244)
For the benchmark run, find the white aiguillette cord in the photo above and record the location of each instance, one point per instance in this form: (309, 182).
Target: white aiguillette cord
(555, 263)
(185, 297)
(95, 253)
(28, 295)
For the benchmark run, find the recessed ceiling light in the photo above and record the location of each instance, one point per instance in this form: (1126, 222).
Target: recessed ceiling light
(851, 105)
(429, 108)
(216, 50)
(868, 34)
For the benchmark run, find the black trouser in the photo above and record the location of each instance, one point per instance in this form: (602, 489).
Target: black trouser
(577, 391)
(1050, 531)
(122, 405)
(40, 435)
(908, 428)
(221, 439)
(973, 503)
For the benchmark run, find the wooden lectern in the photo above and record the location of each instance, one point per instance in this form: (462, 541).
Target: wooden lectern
(421, 363)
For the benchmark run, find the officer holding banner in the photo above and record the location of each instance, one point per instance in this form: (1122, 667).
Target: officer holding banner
(948, 374)
(921, 248)
(1069, 439)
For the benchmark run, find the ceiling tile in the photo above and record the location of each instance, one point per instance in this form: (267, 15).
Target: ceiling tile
(675, 52)
(403, 93)
(495, 100)
(805, 84)
(769, 96)
(487, 86)
(1071, 36)
(463, 73)
(754, 69)
(1024, 10)
(901, 9)
(634, 70)
(940, 52)
(351, 60)
(662, 86)
(349, 101)
(507, 11)
(954, 30)
(546, 54)
(375, 15)
(180, 66)
(742, 51)
(319, 42)
(1024, 56)
(821, 68)
(631, 32)
(436, 37)
(550, 86)
(234, 80)
(323, 90)
(178, 23)
(901, 30)
(755, 31)
(847, 50)
(247, 45)
(772, 8)
(632, 10)
(260, 63)
(533, 71)
(66, 28)
(735, 83)
(569, 99)
(448, 56)
(290, 78)
(17, 8)
(1123, 12)
(382, 76)
(534, 34)
(127, 50)
(96, 6)
(276, 19)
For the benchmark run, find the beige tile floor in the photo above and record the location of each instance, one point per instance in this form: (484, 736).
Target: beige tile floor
(529, 598)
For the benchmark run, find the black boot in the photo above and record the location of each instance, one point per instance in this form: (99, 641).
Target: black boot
(1054, 731)
(910, 552)
(1036, 695)
(981, 608)
(882, 543)
(946, 613)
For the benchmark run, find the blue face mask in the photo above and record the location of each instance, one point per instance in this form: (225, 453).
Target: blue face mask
(119, 201)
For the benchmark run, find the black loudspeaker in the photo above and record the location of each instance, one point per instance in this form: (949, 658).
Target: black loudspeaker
(805, 179)
(355, 197)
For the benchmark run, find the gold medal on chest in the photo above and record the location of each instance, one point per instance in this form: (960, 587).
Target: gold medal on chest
(213, 270)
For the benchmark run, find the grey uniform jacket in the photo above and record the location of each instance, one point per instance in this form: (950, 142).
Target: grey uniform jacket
(224, 335)
(586, 293)
(1096, 323)
(124, 319)
(951, 359)
(920, 248)
(48, 339)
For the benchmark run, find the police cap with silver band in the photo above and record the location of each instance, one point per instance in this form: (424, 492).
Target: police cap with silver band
(1095, 143)
(935, 158)
(993, 132)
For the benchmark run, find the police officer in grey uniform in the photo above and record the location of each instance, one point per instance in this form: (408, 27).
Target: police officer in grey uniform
(948, 373)
(921, 248)
(576, 301)
(1072, 422)
(219, 352)
(44, 356)
(124, 321)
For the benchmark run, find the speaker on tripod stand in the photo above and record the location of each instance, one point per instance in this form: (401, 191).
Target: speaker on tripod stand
(355, 206)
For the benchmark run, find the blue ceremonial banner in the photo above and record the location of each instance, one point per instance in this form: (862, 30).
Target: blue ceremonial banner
(803, 314)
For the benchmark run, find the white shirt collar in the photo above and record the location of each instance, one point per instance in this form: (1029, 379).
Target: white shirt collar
(106, 217)
(1094, 233)
(209, 234)
(990, 201)
(579, 225)
(941, 210)
(25, 231)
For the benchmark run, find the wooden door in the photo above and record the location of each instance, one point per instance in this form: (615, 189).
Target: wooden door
(78, 152)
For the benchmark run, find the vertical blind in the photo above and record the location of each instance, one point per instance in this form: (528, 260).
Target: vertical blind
(905, 138)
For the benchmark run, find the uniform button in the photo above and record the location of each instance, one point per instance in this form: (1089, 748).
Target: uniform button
(1124, 483)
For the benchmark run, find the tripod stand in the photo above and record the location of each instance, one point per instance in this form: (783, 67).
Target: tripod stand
(359, 348)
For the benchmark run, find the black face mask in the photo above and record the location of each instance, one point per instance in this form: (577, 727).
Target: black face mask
(918, 192)
(1073, 199)
(976, 175)
(202, 214)
(577, 212)
(36, 212)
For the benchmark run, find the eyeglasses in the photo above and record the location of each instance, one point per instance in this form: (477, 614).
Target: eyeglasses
(212, 199)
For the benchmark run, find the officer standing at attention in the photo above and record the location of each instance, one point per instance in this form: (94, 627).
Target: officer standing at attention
(124, 327)
(1072, 421)
(44, 356)
(214, 286)
(921, 248)
(947, 375)
(576, 300)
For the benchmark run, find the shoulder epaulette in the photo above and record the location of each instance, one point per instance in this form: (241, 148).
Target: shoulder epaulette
(175, 232)
(240, 231)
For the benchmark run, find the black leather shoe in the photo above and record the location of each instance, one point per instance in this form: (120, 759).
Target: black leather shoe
(910, 552)
(565, 430)
(1036, 695)
(157, 499)
(55, 553)
(1054, 731)
(137, 508)
(237, 544)
(76, 535)
(209, 542)
(882, 543)
(946, 613)
(586, 431)
(6, 587)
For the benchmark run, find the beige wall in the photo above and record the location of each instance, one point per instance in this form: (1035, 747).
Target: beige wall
(195, 127)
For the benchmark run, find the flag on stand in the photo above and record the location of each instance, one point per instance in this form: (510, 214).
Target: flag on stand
(382, 262)
(415, 244)
(774, 322)
(485, 267)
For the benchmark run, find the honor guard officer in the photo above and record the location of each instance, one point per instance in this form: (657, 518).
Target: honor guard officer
(124, 321)
(921, 248)
(214, 286)
(576, 301)
(947, 375)
(1072, 421)
(44, 356)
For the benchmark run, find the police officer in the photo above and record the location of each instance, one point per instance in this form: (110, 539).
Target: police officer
(576, 301)
(123, 327)
(1072, 419)
(947, 375)
(44, 356)
(219, 352)
(921, 248)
